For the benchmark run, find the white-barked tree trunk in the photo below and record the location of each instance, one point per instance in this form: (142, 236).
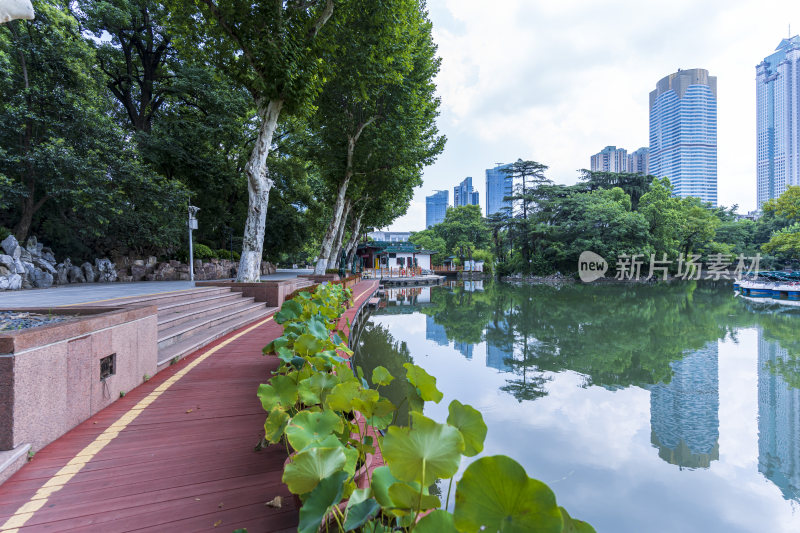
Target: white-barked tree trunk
(258, 187)
(336, 249)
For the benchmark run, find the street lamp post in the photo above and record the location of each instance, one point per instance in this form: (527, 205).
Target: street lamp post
(192, 226)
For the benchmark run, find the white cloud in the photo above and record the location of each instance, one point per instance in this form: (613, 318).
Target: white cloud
(558, 81)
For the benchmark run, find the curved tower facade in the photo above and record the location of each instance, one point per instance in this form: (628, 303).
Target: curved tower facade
(683, 133)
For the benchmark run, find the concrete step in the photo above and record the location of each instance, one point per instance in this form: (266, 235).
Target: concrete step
(168, 309)
(204, 336)
(210, 309)
(180, 332)
(167, 298)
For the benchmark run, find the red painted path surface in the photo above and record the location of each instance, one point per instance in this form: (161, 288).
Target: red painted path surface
(185, 463)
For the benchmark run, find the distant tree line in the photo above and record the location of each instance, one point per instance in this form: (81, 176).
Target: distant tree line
(612, 214)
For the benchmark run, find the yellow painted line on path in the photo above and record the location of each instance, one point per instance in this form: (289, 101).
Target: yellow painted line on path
(362, 293)
(57, 482)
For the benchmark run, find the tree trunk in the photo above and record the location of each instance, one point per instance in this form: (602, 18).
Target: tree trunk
(26, 218)
(355, 229)
(336, 249)
(333, 228)
(258, 187)
(330, 235)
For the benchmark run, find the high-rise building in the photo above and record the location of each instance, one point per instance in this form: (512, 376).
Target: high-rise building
(499, 185)
(464, 195)
(778, 121)
(684, 414)
(436, 208)
(778, 420)
(639, 161)
(610, 159)
(683, 133)
(613, 159)
(435, 332)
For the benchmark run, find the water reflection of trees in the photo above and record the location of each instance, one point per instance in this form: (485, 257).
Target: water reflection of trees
(384, 350)
(615, 336)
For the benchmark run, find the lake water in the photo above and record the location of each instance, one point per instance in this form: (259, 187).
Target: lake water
(666, 408)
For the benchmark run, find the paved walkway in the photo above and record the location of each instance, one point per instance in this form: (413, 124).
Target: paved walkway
(93, 292)
(175, 454)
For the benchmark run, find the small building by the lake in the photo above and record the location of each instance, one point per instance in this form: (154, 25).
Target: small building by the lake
(384, 254)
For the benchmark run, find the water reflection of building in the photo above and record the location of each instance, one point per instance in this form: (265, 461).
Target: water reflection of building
(684, 414)
(496, 357)
(473, 285)
(435, 332)
(778, 422)
(465, 348)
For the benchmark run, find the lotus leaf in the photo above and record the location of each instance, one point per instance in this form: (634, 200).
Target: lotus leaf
(307, 427)
(381, 376)
(360, 508)
(408, 497)
(308, 344)
(311, 466)
(469, 422)
(438, 521)
(342, 396)
(382, 479)
(324, 496)
(282, 390)
(318, 328)
(290, 310)
(496, 494)
(424, 383)
(574, 526)
(426, 451)
(275, 424)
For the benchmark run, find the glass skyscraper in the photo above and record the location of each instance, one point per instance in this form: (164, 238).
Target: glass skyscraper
(463, 193)
(778, 420)
(436, 208)
(498, 186)
(777, 121)
(683, 133)
(684, 414)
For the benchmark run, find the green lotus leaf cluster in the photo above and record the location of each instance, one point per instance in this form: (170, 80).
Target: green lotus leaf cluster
(332, 422)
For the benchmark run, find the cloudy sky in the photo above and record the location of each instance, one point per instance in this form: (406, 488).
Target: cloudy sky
(556, 81)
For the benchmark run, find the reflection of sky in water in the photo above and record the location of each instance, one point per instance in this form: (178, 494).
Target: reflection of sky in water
(716, 449)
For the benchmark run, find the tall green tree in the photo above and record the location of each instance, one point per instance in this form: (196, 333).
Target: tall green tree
(73, 176)
(464, 227)
(634, 184)
(275, 51)
(785, 242)
(135, 53)
(377, 110)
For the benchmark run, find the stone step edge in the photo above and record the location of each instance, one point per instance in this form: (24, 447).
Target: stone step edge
(147, 298)
(198, 323)
(172, 317)
(195, 342)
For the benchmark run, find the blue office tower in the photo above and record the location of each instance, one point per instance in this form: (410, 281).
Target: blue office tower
(778, 418)
(684, 413)
(463, 193)
(683, 133)
(436, 208)
(499, 185)
(778, 121)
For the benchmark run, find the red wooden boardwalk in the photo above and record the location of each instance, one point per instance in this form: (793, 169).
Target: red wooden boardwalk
(175, 454)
